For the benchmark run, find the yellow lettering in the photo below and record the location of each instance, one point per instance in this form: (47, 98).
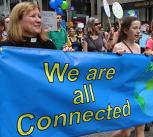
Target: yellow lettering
(86, 93)
(126, 109)
(91, 92)
(87, 116)
(117, 112)
(101, 73)
(19, 125)
(56, 68)
(73, 75)
(109, 109)
(63, 116)
(93, 74)
(97, 114)
(78, 99)
(39, 123)
(77, 119)
(110, 73)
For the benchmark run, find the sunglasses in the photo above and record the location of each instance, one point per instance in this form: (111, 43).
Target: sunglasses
(96, 24)
(59, 17)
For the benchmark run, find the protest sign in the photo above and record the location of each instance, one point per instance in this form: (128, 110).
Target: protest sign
(107, 11)
(117, 10)
(49, 20)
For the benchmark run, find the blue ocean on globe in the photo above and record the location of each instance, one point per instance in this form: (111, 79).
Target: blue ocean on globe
(144, 91)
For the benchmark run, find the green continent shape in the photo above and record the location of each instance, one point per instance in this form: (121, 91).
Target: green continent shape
(149, 85)
(140, 100)
(150, 67)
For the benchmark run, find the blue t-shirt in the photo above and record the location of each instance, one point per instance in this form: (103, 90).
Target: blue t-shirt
(143, 39)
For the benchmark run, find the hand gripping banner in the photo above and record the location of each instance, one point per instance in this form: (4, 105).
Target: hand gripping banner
(49, 93)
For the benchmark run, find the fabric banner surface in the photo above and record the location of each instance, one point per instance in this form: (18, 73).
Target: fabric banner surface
(50, 93)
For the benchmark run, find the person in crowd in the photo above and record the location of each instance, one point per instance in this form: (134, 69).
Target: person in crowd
(6, 25)
(117, 28)
(80, 33)
(149, 46)
(73, 40)
(25, 28)
(2, 28)
(6, 21)
(94, 40)
(151, 26)
(59, 37)
(144, 36)
(104, 33)
(114, 34)
(130, 31)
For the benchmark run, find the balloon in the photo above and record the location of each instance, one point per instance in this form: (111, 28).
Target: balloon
(65, 5)
(53, 4)
(59, 2)
(59, 11)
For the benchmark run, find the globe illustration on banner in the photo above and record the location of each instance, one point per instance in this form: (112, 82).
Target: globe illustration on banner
(144, 91)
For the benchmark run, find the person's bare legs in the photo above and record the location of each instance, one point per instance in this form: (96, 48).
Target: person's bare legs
(122, 133)
(140, 131)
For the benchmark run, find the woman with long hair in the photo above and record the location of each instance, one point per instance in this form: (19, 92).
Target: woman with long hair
(73, 40)
(2, 28)
(25, 29)
(129, 34)
(94, 40)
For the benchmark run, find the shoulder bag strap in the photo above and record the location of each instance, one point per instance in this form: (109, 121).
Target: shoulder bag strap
(93, 42)
(127, 46)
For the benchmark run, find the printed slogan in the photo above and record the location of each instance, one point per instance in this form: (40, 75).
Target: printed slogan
(52, 93)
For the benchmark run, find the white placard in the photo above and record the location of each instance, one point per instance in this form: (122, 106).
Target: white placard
(80, 25)
(49, 20)
(106, 8)
(117, 10)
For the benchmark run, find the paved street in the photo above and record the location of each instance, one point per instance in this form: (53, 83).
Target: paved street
(147, 134)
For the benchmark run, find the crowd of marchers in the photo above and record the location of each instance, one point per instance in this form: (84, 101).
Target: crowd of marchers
(23, 28)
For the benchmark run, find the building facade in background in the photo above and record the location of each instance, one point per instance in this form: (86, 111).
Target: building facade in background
(142, 8)
(81, 9)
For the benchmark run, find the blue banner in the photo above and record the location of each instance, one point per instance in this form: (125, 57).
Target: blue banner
(49, 93)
